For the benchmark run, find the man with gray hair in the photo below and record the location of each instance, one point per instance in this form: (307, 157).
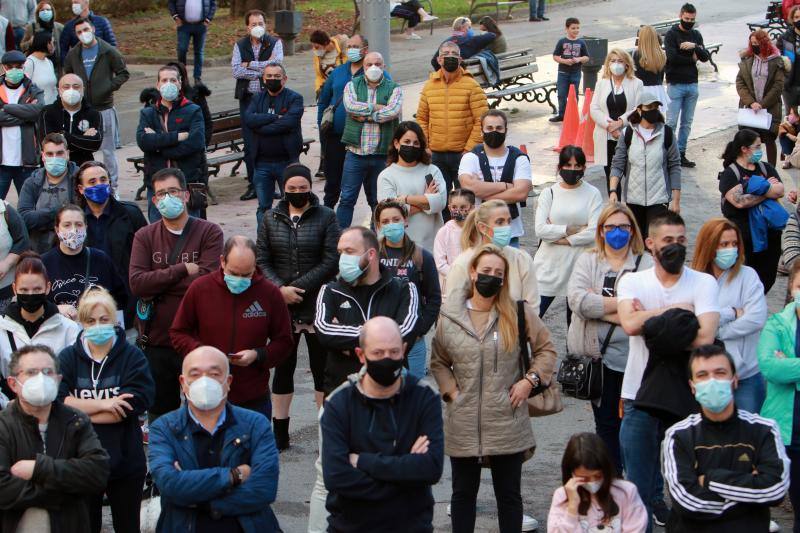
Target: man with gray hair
(277, 139)
(215, 464)
(237, 310)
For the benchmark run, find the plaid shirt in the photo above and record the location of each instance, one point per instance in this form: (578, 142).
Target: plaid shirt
(371, 132)
(254, 69)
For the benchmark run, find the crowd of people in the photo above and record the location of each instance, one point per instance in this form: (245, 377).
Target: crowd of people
(423, 324)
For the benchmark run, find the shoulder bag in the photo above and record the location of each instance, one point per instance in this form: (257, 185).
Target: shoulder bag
(544, 400)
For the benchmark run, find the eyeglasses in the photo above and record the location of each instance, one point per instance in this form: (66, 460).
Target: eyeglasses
(172, 191)
(33, 372)
(451, 53)
(612, 227)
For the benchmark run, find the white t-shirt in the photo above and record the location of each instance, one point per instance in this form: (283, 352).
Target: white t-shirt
(522, 171)
(12, 135)
(42, 73)
(697, 288)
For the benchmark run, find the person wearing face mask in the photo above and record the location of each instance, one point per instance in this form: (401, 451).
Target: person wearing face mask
(103, 71)
(646, 167)
(109, 380)
(640, 296)
(329, 53)
(742, 162)
(197, 459)
(592, 296)
(45, 440)
(789, 45)
(566, 222)
(166, 257)
(274, 119)
(759, 83)
(72, 116)
(44, 20)
(297, 252)
(414, 182)
(475, 322)
(47, 190)
(383, 442)
(250, 55)
(238, 311)
(373, 104)
(725, 467)
(593, 497)
(469, 42)
(39, 68)
(447, 245)
(719, 251)
(614, 99)
(22, 103)
(80, 10)
(494, 171)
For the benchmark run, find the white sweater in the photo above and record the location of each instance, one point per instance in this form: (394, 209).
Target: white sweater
(741, 335)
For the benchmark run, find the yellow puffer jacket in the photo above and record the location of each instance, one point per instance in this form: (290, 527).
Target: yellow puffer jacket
(450, 113)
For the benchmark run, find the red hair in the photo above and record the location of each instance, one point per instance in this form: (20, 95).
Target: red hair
(767, 48)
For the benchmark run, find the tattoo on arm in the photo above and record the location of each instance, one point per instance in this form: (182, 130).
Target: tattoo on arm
(745, 200)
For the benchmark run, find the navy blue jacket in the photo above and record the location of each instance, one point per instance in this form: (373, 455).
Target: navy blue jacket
(390, 489)
(163, 147)
(248, 440)
(282, 125)
(332, 91)
(469, 46)
(177, 8)
(125, 370)
(102, 29)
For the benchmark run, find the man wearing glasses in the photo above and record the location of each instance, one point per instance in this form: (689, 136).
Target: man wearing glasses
(166, 257)
(50, 456)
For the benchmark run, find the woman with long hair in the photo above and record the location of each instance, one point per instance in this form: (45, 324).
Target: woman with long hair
(741, 160)
(650, 60)
(719, 251)
(595, 328)
(412, 180)
(476, 363)
(759, 84)
(593, 497)
(488, 24)
(410, 262)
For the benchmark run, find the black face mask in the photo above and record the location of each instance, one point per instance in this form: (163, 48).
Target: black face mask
(451, 63)
(297, 199)
(687, 25)
(272, 86)
(653, 116)
(458, 216)
(494, 139)
(384, 371)
(797, 24)
(672, 257)
(570, 176)
(31, 302)
(488, 286)
(409, 154)
(756, 49)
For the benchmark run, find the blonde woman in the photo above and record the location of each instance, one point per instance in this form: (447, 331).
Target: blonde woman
(650, 60)
(476, 363)
(615, 96)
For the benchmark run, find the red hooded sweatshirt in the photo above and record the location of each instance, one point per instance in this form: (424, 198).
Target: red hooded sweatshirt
(256, 319)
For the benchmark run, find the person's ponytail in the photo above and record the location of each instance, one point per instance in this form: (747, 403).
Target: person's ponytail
(469, 233)
(742, 139)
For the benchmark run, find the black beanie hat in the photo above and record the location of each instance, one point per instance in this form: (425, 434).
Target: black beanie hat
(297, 170)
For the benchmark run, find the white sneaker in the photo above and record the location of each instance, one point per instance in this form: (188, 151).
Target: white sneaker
(413, 37)
(429, 18)
(448, 509)
(529, 523)
(774, 527)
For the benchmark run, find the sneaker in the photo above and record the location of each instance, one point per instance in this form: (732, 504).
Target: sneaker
(686, 163)
(534, 19)
(529, 523)
(774, 527)
(413, 37)
(557, 118)
(660, 514)
(543, 18)
(429, 18)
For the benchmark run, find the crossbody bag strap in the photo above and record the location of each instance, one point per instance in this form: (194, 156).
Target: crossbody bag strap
(88, 268)
(524, 355)
(181, 242)
(607, 340)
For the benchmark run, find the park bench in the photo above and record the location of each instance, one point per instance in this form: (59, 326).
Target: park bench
(428, 5)
(664, 26)
(475, 5)
(773, 21)
(516, 81)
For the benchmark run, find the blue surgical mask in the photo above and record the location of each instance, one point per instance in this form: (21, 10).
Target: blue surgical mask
(354, 55)
(237, 284)
(796, 296)
(394, 232)
(714, 394)
(55, 166)
(170, 207)
(169, 91)
(15, 75)
(618, 238)
(349, 267)
(45, 15)
(726, 257)
(98, 193)
(502, 236)
(470, 32)
(756, 156)
(99, 334)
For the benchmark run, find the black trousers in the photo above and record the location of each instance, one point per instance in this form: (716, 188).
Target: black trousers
(247, 136)
(283, 380)
(334, 152)
(794, 486)
(448, 163)
(165, 366)
(764, 263)
(125, 497)
(606, 417)
(643, 214)
(506, 480)
(611, 148)
(544, 305)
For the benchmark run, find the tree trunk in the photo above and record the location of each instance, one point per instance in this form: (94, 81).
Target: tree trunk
(356, 18)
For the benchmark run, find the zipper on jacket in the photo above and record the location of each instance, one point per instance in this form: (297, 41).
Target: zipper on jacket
(233, 329)
(480, 403)
(354, 301)
(494, 337)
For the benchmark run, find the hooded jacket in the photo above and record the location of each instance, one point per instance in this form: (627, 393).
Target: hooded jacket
(55, 119)
(108, 75)
(124, 371)
(24, 114)
(257, 319)
(778, 68)
(41, 222)
(71, 467)
(387, 476)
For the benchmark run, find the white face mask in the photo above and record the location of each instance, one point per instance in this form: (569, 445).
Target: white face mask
(205, 393)
(77, 9)
(617, 69)
(593, 486)
(71, 97)
(40, 390)
(258, 31)
(373, 73)
(86, 37)
(319, 53)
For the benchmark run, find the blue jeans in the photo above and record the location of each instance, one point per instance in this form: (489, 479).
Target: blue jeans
(196, 32)
(16, 174)
(267, 173)
(535, 8)
(564, 80)
(19, 33)
(683, 98)
(417, 359)
(750, 394)
(153, 213)
(787, 146)
(359, 171)
(640, 437)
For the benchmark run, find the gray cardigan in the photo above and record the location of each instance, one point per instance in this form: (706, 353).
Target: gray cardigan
(670, 164)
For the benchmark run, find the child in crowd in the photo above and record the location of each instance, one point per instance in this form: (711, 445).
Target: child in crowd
(447, 245)
(787, 136)
(570, 53)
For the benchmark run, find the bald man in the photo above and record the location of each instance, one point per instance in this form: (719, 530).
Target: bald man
(373, 103)
(382, 441)
(72, 116)
(215, 464)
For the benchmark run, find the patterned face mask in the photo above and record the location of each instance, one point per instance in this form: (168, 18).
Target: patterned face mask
(72, 239)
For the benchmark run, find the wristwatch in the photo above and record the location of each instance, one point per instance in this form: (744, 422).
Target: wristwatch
(533, 377)
(236, 475)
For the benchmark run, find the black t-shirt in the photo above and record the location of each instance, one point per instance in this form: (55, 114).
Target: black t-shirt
(728, 180)
(648, 78)
(566, 49)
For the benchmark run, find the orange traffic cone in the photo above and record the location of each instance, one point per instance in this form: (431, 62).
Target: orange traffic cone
(523, 149)
(585, 137)
(569, 129)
